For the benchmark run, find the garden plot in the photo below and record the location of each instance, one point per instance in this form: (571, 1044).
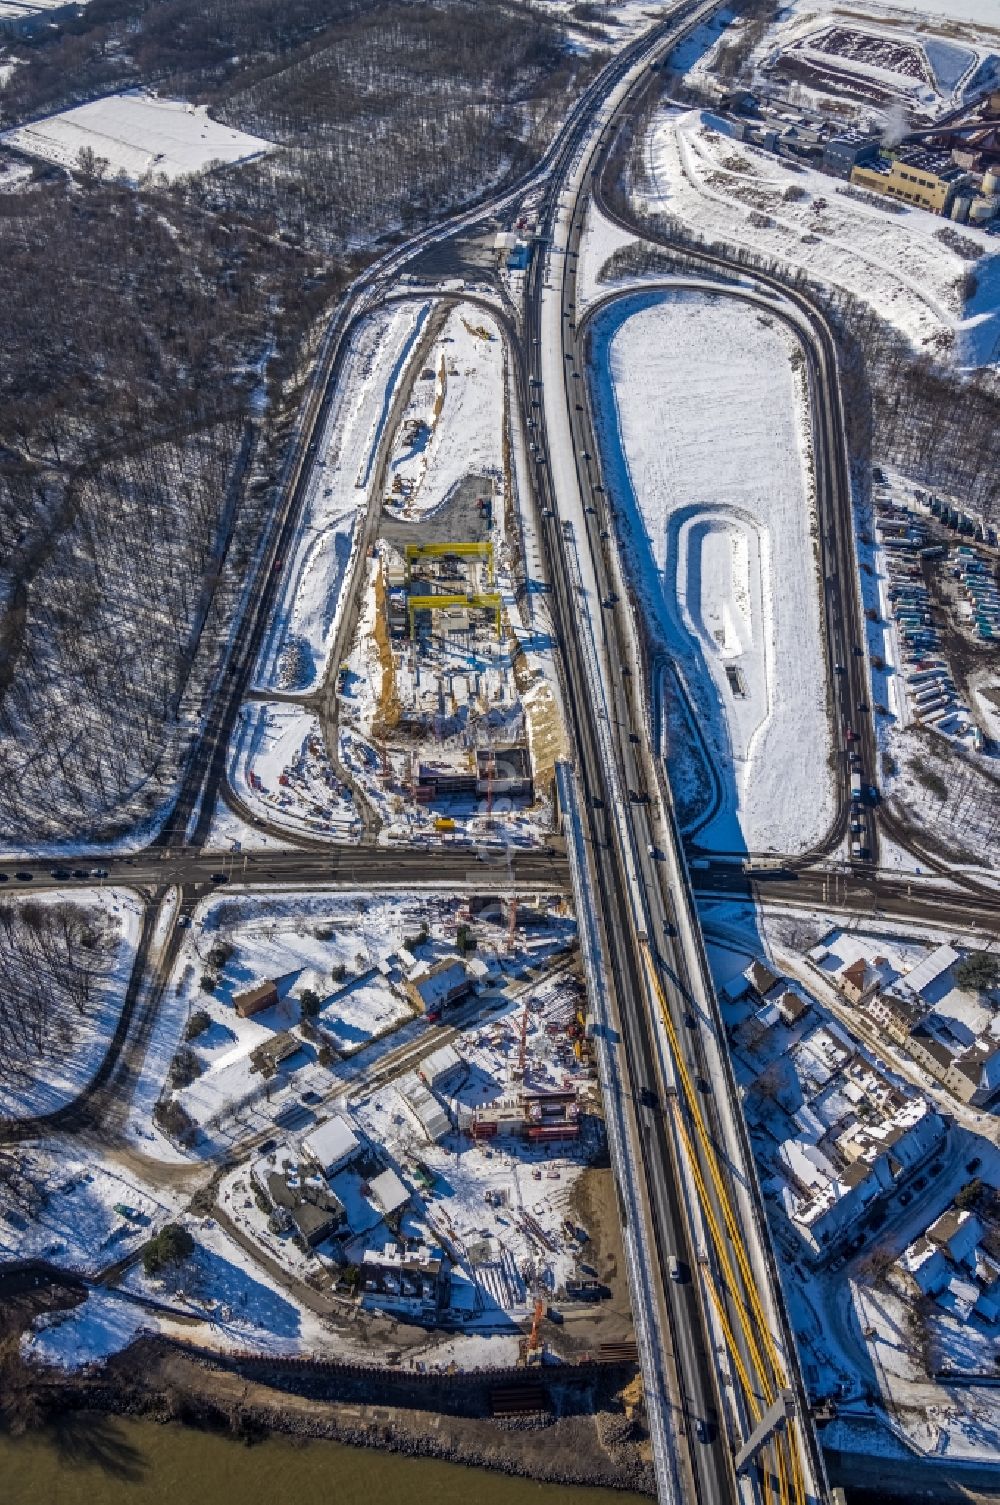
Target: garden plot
(300, 639)
(895, 262)
(453, 424)
(74, 1032)
(703, 422)
(280, 767)
(138, 134)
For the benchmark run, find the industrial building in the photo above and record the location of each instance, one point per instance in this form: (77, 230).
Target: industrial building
(440, 1068)
(919, 177)
(540, 1117)
(501, 772)
(430, 1116)
(849, 149)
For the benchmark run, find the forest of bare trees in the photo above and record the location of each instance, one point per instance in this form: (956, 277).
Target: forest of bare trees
(143, 326)
(53, 957)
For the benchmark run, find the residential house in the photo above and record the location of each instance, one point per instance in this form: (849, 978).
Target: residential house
(858, 981)
(332, 1145)
(314, 1212)
(929, 1052)
(413, 1281)
(761, 978)
(926, 1266)
(895, 1014)
(974, 1076)
(432, 988)
(957, 1232)
(253, 1000)
(388, 1192)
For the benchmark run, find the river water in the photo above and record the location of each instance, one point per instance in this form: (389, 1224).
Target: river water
(100, 1460)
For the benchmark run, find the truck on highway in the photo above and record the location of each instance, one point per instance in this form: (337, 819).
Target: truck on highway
(855, 786)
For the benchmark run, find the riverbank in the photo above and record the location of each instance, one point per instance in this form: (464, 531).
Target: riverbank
(582, 1439)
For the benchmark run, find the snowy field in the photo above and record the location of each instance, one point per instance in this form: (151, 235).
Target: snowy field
(63, 1074)
(138, 134)
(76, 1211)
(704, 428)
(453, 424)
(218, 1286)
(726, 190)
(279, 766)
(300, 638)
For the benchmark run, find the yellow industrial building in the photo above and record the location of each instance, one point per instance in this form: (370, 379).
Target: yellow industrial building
(925, 179)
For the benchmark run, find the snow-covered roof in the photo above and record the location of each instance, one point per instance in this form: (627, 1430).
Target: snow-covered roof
(440, 1065)
(424, 1106)
(440, 983)
(388, 1191)
(331, 1143)
(925, 972)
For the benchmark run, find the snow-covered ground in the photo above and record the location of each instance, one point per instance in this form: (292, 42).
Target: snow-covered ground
(74, 1210)
(453, 424)
(973, 16)
(279, 766)
(505, 1211)
(137, 134)
(63, 1074)
(219, 1285)
(894, 261)
(703, 419)
(301, 633)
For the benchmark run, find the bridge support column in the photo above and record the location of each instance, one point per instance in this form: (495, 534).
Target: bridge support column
(781, 1411)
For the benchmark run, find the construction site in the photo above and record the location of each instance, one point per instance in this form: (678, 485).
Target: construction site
(433, 726)
(453, 1178)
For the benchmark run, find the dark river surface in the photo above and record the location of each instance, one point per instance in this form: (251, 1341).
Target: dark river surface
(100, 1460)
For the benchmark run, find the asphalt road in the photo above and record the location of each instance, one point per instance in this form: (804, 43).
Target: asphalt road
(459, 868)
(878, 895)
(708, 1463)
